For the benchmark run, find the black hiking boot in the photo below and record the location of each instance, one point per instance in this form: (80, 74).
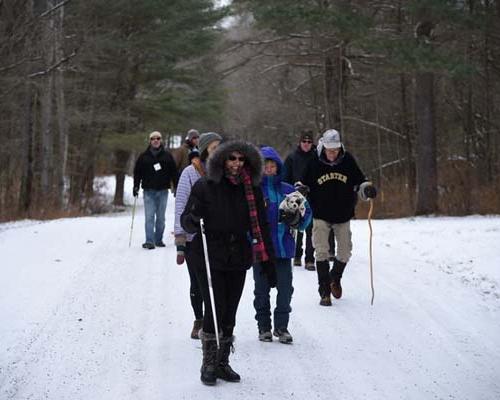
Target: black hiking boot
(160, 244)
(322, 268)
(223, 369)
(148, 245)
(209, 346)
(326, 301)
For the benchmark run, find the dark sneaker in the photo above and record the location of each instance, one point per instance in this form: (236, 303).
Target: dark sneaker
(325, 301)
(160, 244)
(265, 336)
(149, 246)
(297, 262)
(283, 335)
(336, 288)
(310, 266)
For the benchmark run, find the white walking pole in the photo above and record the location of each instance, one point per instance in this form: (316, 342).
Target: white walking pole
(209, 278)
(371, 257)
(132, 224)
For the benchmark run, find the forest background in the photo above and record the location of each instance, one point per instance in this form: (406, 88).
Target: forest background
(413, 87)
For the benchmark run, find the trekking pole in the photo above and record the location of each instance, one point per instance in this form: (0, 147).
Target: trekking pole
(132, 224)
(371, 257)
(209, 278)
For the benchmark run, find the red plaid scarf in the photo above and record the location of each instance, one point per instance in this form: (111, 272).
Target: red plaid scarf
(258, 246)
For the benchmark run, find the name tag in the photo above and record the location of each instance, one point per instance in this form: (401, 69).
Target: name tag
(157, 166)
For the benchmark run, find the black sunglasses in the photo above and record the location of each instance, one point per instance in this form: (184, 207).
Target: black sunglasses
(234, 158)
(306, 141)
(156, 138)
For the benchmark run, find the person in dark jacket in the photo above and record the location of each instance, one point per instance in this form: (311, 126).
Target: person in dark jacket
(284, 248)
(181, 154)
(294, 168)
(155, 171)
(335, 182)
(231, 204)
(207, 145)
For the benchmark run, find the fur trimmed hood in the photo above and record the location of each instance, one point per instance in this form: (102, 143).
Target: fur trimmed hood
(215, 164)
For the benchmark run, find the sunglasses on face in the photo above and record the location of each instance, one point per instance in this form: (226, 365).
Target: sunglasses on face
(156, 138)
(307, 141)
(234, 158)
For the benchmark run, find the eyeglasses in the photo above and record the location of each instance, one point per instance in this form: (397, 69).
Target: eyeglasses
(234, 158)
(156, 138)
(307, 141)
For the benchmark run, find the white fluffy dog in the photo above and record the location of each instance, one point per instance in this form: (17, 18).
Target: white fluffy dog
(292, 208)
(294, 202)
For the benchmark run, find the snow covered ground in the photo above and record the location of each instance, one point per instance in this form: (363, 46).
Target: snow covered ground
(83, 316)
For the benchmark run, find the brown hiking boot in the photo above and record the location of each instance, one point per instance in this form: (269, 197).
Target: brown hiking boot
(325, 301)
(336, 288)
(197, 325)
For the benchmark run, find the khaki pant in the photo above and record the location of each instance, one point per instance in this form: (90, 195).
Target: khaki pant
(321, 231)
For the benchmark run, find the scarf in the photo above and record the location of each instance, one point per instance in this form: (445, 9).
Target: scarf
(258, 247)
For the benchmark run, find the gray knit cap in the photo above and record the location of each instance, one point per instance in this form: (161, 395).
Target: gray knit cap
(206, 139)
(192, 133)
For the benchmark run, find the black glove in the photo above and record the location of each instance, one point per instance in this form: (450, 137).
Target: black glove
(370, 191)
(302, 189)
(269, 270)
(135, 191)
(292, 219)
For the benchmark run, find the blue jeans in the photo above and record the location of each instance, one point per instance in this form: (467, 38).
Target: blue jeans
(155, 204)
(262, 302)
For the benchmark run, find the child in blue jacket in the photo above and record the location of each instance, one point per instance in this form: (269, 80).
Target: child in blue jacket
(274, 191)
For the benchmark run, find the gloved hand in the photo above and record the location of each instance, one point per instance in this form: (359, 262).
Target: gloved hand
(303, 189)
(180, 243)
(370, 191)
(269, 270)
(180, 255)
(135, 191)
(292, 219)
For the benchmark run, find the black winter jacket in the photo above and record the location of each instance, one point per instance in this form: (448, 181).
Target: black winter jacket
(296, 164)
(224, 209)
(333, 188)
(155, 172)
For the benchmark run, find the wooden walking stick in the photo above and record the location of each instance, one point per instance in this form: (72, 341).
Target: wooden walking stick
(370, 212)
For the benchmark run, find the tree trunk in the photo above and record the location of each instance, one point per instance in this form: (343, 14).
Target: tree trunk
(62, 138)
(426, 164)
(426, 145)
(26, 194)
(47, 112)
(406, 130)
(121, 161)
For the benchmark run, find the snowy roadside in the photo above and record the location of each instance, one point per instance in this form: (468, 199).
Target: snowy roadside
(83, 316)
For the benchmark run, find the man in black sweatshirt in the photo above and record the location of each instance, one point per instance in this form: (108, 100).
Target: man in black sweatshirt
(155, 169)
(335, 182)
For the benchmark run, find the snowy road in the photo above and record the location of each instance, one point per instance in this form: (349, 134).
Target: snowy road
(82, 316)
